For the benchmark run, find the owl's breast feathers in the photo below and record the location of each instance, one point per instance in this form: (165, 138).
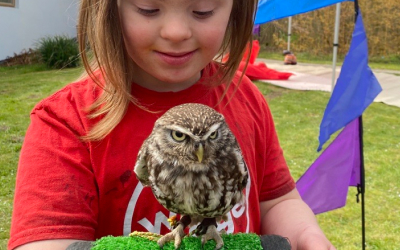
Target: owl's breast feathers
(210, 193)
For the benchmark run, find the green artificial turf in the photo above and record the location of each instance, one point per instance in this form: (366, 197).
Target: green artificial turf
(239, 241)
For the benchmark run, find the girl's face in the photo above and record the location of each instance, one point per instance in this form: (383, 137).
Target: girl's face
(171, 41)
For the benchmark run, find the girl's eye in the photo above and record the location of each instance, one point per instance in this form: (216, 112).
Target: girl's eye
(213, 135)
(178, 136)
(148, 12)
(203, 14)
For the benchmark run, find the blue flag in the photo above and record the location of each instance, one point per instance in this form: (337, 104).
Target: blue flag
(269, 10)
(355, 90)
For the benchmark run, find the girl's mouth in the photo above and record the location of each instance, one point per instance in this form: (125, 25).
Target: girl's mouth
(175, 58)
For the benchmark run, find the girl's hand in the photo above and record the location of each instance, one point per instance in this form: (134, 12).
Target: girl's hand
(313, 241)
(290, 217)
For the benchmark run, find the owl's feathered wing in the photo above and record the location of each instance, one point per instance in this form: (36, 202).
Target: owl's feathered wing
(242, 169)
(141, 169)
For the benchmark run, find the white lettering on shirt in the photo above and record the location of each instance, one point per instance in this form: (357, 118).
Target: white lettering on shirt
(160, 219)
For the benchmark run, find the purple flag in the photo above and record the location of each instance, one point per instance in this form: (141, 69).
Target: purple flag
(325, 184)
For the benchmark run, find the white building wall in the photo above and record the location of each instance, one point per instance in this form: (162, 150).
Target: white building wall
(21, 27)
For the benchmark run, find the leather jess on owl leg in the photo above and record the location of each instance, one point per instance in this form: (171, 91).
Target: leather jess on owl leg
(208, 228)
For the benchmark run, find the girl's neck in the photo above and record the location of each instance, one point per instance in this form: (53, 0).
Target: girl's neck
(148, 81)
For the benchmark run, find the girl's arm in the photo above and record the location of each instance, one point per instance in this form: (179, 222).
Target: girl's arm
(290, 217)
(60, 244)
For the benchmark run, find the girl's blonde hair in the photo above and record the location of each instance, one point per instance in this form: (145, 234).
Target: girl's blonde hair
(110, 67)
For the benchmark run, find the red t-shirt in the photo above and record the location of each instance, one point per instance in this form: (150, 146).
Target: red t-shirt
(69, 189)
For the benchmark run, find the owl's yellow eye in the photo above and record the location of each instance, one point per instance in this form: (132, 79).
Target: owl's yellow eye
(214, 135)
(178, 136)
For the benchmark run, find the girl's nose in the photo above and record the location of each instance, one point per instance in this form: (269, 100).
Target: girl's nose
(176, 29)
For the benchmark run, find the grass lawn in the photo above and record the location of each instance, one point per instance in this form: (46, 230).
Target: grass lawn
(297, 117)
(20, 89)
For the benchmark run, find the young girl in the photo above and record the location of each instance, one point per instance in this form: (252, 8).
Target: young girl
(75, 179)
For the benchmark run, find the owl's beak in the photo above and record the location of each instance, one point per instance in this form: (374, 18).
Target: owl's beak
(199, 152)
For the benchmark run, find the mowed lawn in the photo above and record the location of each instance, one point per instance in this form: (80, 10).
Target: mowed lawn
(297, 116)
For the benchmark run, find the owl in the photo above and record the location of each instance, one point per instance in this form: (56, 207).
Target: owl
(194, 166)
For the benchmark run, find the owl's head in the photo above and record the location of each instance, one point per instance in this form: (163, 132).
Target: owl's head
(192, 133)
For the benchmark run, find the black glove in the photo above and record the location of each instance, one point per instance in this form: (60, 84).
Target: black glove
(80, 245)
(274, 242)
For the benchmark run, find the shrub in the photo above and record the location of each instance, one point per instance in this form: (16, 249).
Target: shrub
(26, 57)
(59, 52)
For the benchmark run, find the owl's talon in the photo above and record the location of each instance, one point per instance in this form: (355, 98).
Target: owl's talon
(213, 234)
(177, 235)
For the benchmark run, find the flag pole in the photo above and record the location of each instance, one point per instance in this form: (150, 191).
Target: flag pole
(361, 186)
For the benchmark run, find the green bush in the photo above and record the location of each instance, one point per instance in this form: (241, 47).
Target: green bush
(59, 52)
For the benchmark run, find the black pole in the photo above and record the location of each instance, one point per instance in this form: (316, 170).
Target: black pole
(356, 8)
(361, 186)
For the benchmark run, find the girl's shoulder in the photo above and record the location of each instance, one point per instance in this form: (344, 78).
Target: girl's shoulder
(247, 88)
(239, 82)
(81, 93)
(69, 105)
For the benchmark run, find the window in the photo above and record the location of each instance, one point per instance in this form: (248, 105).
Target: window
(8, 3)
